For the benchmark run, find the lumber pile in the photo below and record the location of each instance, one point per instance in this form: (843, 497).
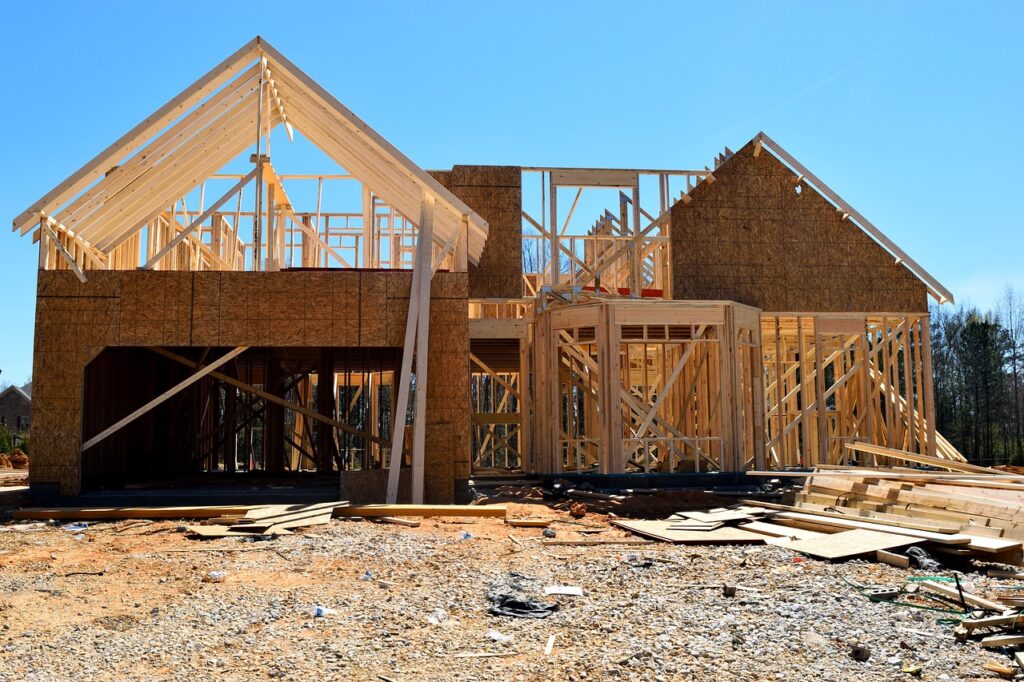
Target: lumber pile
(965, 510)
(272, 520)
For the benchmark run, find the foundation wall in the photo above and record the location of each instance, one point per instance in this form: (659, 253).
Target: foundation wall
(75, 321)
(749, 236)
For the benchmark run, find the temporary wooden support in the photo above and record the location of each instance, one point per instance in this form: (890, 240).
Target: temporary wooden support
(416, 328)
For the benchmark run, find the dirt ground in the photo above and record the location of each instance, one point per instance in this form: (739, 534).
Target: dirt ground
(139, 600)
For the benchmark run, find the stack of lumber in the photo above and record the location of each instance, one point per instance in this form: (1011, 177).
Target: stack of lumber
(272, 520)
(965, 509)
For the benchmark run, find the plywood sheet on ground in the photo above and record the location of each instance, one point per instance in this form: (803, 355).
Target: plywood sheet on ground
(849, 543)
(660, 530)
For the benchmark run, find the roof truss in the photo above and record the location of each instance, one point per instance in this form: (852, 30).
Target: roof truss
(213, 121)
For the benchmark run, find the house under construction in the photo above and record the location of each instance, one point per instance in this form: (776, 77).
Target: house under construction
(204, 312)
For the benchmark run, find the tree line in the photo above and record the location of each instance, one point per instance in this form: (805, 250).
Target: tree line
(978, 368)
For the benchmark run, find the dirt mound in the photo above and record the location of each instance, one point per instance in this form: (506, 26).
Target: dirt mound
(18, 459)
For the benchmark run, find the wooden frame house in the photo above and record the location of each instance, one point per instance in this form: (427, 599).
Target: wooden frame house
(193, 321)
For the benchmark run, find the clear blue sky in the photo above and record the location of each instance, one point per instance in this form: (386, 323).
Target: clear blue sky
(910, 110)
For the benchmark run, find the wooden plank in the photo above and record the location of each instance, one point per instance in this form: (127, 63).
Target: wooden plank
(659, 530)
(953, 593)
(105, 513)
(849, 543)
(528, 523)
(372, 510)
(593, 542)
(1011, 622)
(893, 559)
(839, 521)
(225, 532)
(923, 459)
(998, 641)
(399, 521)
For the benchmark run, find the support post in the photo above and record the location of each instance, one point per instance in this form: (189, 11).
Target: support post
(422, 337)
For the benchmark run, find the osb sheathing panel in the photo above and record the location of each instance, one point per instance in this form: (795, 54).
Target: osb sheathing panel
(749, 236)
(495, 193)
(75, 321)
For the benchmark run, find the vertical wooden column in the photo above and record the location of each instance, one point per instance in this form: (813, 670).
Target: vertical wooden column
(326, 392)
(610, 396)
(929, 397)
(728, 405)
(273, 433)
(756, 378)
(369, 237)
(230, 424)
(636, 281)
(553, 276)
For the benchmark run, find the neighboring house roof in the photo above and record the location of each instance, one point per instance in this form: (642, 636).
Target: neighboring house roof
(27, 389)
(17, 391)
(212, 122)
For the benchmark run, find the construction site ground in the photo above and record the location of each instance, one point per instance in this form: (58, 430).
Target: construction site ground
(139, 600)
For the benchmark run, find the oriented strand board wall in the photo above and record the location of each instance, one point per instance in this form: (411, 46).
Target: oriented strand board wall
(75, 321)
(750, 237)
(496, 194)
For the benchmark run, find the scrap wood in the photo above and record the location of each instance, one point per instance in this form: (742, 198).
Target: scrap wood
(370, 510)
(1011, 622)
(549, 647)
(230, 532)
(287, 516)
(893, 559)
(399, 521)
(590, 542)
(614, 499)
(528, 523)
(999, 669)
(104, 513)
(660, 530)
(996, 641)
(955, 594)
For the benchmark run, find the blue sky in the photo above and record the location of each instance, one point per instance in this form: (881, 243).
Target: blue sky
(910, 110)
